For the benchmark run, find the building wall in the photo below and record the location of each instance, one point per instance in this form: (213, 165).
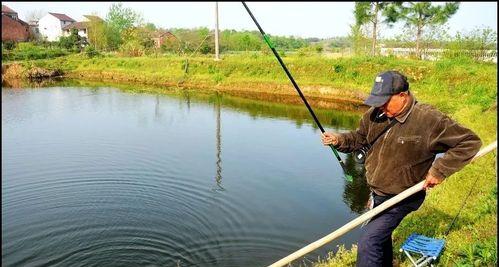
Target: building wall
(50, 27)
(82, 33)
(158, 41)
(13, 30)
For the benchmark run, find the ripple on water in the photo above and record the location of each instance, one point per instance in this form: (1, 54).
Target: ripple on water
(116, 197)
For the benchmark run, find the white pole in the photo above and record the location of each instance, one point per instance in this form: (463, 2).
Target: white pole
(364, 217)
(216, 32)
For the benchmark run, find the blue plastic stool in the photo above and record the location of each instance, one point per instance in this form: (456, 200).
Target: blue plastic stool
(428, 248)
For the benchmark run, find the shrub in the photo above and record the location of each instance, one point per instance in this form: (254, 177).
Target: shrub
(30, 51)
(71, 42)
(9, 45)
(309, 50)
(479, 253)
(132, 49)
(338, 68)
(90, 51)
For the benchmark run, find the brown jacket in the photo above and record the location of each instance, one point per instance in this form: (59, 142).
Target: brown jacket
(403, 155)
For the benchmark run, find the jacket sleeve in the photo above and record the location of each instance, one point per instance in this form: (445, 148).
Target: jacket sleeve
(353, 140)
(458, 144)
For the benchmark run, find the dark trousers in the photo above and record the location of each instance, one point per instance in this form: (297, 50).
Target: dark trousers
(375, 243)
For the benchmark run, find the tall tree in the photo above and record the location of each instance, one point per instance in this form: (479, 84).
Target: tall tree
(372, 12)
(118, 19)
(97, 32)
(121, 17)
(422, 14)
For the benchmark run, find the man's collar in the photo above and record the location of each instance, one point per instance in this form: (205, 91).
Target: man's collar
(403, 116)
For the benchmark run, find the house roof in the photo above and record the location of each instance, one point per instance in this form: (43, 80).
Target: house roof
(23, 22)
(6, 9)
(92, 17)
(62, 17)
(20, 21)
(76, 25)
(159, 34)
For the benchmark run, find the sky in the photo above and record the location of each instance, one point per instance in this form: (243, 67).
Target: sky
(300, 19)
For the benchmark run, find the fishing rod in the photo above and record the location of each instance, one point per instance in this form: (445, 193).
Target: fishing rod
(266, 38)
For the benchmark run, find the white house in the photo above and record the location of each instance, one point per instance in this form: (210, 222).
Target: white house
(81, 26)
(50, 26)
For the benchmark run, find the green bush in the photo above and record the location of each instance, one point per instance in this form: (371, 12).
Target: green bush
(479, 254)
(309, 50)
(338, 68)
(9, 45)
(30, 51)
(132, 49)
(71, 42)
(90, 51)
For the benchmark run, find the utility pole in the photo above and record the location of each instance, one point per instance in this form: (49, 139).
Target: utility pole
(217, 57)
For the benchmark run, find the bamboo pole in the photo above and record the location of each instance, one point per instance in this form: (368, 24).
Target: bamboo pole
(366, 216)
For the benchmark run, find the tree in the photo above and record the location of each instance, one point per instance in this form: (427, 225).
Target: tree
(195, 40)
(420, 15)
(118, 19)
(97, 33)
(137, 41)
(339, 42)
(71, 42)
(369, 12)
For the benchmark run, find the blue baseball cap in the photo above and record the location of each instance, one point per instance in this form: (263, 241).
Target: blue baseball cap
(386, 84)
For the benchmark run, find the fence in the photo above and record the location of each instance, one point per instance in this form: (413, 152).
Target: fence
(435, 54)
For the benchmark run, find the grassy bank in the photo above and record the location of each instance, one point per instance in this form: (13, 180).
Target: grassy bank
(463, 89)
(448, 84)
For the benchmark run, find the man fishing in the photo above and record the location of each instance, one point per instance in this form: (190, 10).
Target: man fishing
(401, 138)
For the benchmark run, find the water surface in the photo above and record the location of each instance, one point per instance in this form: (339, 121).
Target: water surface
(97, 176)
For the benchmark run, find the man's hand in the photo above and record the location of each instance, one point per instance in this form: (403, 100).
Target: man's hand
(329, 139)
(431, 181)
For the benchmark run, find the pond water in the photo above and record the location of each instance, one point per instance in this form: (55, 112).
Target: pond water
(100, 176)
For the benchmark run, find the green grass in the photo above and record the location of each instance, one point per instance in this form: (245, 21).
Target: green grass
(29, 51)
(464, 89)
(448, 84)
(472, 240)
